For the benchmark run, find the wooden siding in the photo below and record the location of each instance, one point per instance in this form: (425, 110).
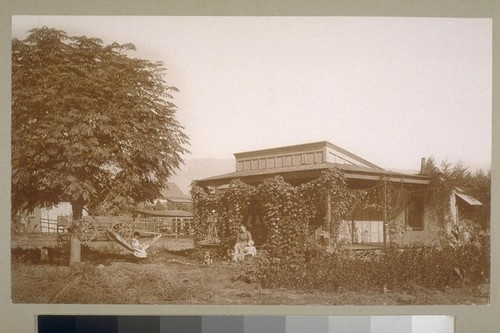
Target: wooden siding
(51, 217)
(280, 161)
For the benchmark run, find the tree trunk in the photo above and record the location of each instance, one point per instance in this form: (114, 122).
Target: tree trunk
(75, 249)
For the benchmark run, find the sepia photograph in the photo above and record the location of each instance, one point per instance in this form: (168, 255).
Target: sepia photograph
(229, 160)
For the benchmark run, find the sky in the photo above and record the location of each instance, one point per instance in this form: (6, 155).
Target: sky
(390, 90)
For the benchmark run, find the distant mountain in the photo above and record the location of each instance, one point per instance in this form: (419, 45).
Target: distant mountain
(199, 169)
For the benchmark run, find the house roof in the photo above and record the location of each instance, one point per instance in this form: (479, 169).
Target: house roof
(173, 193)
(356, 170)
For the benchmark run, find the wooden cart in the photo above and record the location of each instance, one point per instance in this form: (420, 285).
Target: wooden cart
(94, 227)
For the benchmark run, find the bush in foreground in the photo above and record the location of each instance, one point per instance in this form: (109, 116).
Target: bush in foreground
(393, 268)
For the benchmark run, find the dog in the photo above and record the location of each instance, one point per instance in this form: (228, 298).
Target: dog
(207, 259)
(230, 255)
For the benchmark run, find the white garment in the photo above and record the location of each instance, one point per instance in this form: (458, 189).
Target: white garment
(250, 250)
(139, 249)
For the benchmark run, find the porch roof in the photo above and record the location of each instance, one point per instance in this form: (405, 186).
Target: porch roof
(166, 213)
(303, 173)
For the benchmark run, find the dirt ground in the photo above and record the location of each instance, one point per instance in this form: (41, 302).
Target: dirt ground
(109, 275)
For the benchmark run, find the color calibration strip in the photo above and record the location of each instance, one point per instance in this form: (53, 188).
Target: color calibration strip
(244, 324)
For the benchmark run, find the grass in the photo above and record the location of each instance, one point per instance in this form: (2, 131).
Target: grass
(111, 276)
(175, 274)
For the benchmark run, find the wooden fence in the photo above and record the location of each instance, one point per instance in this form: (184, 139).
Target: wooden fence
(167, 226)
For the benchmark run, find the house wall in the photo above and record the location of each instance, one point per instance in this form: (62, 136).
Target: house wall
(428, 235)
(370, 232)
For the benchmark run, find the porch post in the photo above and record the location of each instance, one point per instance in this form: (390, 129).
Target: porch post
(352, 230)
(328, 214)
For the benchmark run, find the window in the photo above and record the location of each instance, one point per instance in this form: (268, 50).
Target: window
(309, 158)
(415, 212)
(279, 161)
(262, 163)
(297, 159)
(270, 163)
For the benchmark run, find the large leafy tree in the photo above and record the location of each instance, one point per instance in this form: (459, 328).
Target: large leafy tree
(90, 124)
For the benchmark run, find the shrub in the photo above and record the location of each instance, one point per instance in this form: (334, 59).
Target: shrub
(395, 268)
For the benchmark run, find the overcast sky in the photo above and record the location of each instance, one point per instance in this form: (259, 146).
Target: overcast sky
(391, 90)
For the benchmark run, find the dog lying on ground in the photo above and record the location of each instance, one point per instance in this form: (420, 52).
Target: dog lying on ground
(207, 259)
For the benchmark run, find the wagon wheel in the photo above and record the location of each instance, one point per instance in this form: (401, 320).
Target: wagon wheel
(122, 229)
(88, 230)
(63, 239)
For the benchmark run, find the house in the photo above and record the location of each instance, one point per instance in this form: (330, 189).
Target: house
(56, 218)
(174, 199)
(171, 214)
(302, 163)
(51, 219)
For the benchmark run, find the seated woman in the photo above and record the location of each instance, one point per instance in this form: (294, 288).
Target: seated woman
(243, 240)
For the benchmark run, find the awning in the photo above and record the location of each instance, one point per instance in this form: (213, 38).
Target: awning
(470, 200)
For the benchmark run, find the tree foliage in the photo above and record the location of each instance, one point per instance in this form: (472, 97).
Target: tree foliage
(90, 124)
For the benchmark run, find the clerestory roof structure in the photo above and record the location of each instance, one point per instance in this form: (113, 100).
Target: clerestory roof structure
(305, 162)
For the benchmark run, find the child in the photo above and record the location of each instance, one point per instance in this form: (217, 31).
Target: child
(141, 248)
(250, 249)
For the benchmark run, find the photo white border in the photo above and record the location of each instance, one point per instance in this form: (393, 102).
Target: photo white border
(21, 317)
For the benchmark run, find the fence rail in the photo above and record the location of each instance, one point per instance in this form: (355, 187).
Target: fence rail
(50, 226)
(167, 226)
